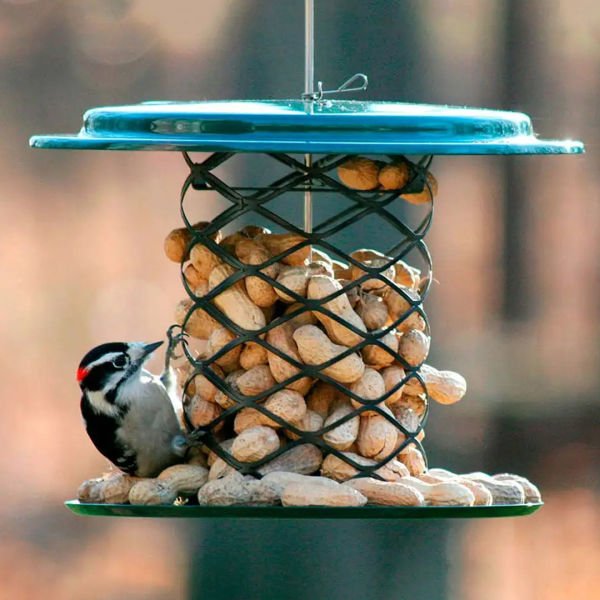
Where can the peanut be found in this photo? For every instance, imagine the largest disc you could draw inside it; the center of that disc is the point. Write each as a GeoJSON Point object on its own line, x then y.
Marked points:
{"type": "Point", "coordinates": [377, 437]}
{"type": "Point", "coordinates": [445, 387]}
{"type": "Point", "coordinates": [152, 491]}
{"type": "Point", "coordinates": [412, 458]}
{"type": "Point", "coordinates": [341, 271]}
{"type": "Point", "coordinates": [194, 281]}
{"type": "Point", "coordinates": [220, 469]}
{"type": "Point", "coordinates": [305, 317]}
{"type": "Point", "coordinates": [446, 493]}
{"type": "Point", "coordinates": [219, 338]}
{"type": "Point", "coordinates": [230, 241]}
{"type": "Point", "coordinates": [372, 310]}
{"type": "Point", "coordinates": [378, 283]}
{"type": "Point", "coordinates": [503, 492]}
{"type": "Point", "coordinates": [252, 231]}
{"type": "Point", "coordinates": [247, 418]}
{"type": "Point", "coordinates": [340, 470]}
{"type": "Point", "coordinates": [225, 399]}
{"type": "Point", "coordinates": [378, 357]}
{"type": "Point", "coordinates": [277, 243]}
{"type": "Point", "coordinates": [414, 347]}
{"type": "Point", "coordinates": [369, 387]}
{"type": "Point", "coordinates": [532, 493]}
{"type": "Point", "coordinates": [199, 325]}
{"type": "Point", "coordinates": [282, 338]}
{"type": "Point", "coordinates": [315, 348]}
{"type": "Point", "coordinates": [286, 404]}
{"type": "Point", "coordinates": [398, 306]}
{"type": "Point", "coordinates": [279, 480]}
{"type": "Point", "coordinates": [311, 422]}
{"type": "Point", "coordinates": [184, 479]}
{"type": "Point", "coordinates": [261, 292]}
{"type": "Point", "coordinates": [321, 286]}
{"type": "Point", "coordinates": [320, 494]}
{"type": "Point", "coordinates": [201, 289]}
{"type": "Point", "coordinates": [407, 418]}
{"type": "Point", "coordinates": [256, 381]}
{"type": "Point", "coordinates": [363, 254]}
{"type": "Point", "coordinates": [252, 355]}
{"type": "Point", "coordinates": [353, 293]}
{"type": "Point", "coordinates": [429, 192]}
{"type": "Point", "coordinates": [321, 256]}
{"type": "Point", "coordinates": [407, 276]}
{"type": "Point", "coordinates": [111, 488]}
{"type": "Point", "coordinates": [321, 399]}
{"type": "Point", "coordinates": [295, 279]}
{"type": "Point", "coordinates": [359, 173]}
{"type": "Point", "coordinates": [344, 435]}
{"type": "Point", "coordinates": [483, 496]}
{"type": "Point", "coordinates": [177, 242]}
{"type": "Point", "coordinates": [417, 403]}
{"type": "Point", "coordinates": [304, 459]}
{"type": "Point", "coordinates": [201, 412]}
{"type": "Point", "coordinates": [254, 444]}
{"type": "Point", "coordinates": [387, 493]}
{"type": "Point", "coordinates": [395, 175]}
{"type": "Point", "coordinates": [235, 489]}
{"type": "Point", "coordinates": [441, 473]}
{"type": "Point", "coordinates": [204, 260]}
{"type": "Point", "coordinates": [234, 302]}
{"type": "Point", "coordinates": [392, 377]}
{"type": "Point", "coordinates": [202, 387]}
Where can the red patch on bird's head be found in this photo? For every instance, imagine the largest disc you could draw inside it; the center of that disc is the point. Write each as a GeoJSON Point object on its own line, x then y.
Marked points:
{"type": "Point", "coordinates": [82, 373]}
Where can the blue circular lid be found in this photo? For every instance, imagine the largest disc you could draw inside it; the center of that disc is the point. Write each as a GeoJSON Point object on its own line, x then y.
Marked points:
{"type": "Point", "coordinates": [296, 126]}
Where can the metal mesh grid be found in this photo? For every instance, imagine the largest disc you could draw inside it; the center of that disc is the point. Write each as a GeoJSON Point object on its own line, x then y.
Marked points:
{"type": "Point", "coordinates": [246, 202]}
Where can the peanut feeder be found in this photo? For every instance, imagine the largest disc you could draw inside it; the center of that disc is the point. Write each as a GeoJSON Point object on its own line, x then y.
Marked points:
{"type": "Point", "coordinates": [307, 380]}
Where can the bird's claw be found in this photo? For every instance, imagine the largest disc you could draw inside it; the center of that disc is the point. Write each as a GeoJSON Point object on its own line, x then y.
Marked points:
{"type": "Point", "coordinates": [173, 341]}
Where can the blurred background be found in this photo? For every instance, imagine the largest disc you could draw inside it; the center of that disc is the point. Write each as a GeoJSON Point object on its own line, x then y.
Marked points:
{"type": "Point", "coordinates": [515, 308]}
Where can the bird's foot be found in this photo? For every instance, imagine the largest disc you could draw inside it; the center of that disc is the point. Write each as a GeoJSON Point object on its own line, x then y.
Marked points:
{"type": "Point", "coordinates": [174, 339]}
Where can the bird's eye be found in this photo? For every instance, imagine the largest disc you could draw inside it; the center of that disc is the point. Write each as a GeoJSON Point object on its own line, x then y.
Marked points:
{"type": "Point", "coordinates": [120, 362]}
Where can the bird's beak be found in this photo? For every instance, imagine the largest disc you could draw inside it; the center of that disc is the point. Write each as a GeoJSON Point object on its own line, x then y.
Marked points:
{"type": "Point", "coordinates": [150, 348]}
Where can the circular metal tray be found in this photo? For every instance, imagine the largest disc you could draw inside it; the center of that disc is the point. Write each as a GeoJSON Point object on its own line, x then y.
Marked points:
{"type": "Point", "coordinates": [296, 126]}
{"type": "Point", "coordinates": [302, 512]}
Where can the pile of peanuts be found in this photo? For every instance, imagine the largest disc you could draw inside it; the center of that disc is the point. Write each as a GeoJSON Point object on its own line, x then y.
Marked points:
{"type": "Point", "coordinates": [302, 475]}
{"type": "Point", "coordinates": [365, 174]}
{"type": "Point", "coordinates": [195, 483]}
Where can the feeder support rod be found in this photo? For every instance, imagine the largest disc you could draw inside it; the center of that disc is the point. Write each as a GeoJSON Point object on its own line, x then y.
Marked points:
{"type": "Point", "coordinates": [309, 46]}
{"type": "Point", "coordinates": [309, 88]}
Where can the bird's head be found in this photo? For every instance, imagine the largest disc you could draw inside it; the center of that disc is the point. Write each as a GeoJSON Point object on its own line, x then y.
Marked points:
{"type": "Point", "coordinates": [106, 366]}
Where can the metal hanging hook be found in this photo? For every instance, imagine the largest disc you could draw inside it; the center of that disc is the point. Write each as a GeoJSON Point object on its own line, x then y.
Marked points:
{"type": "Point", "coordinates": [344, 88]}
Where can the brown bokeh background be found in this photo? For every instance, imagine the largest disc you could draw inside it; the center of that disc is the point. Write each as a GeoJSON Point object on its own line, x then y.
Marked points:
{"type": "Point", "coordinates": [515, 245]}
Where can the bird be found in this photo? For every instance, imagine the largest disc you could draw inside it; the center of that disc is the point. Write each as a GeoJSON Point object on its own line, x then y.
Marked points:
{"type": "Point", "coordinates": [131, 415]}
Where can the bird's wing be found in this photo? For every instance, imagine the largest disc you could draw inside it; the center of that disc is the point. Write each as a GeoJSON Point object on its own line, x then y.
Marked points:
{"type": "Point", "coordinates": [102, 431]}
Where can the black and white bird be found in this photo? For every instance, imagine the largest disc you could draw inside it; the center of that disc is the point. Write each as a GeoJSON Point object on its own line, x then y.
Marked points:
{"type": "Point", "coordinates": [129, 413]}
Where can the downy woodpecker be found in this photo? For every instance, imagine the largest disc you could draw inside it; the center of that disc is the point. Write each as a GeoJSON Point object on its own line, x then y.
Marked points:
{"type": "Point", "coordinates": [129, 413]}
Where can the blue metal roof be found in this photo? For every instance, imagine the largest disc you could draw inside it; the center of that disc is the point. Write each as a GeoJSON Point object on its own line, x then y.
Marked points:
{"type": "Point", "coordinates": [296, 126]}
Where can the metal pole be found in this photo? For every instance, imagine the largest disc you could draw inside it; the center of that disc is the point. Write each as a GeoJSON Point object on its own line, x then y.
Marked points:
{"type": "Point", "coordinates": [309, 46]}
{"type": "Point", "coordinates": [309, 88]}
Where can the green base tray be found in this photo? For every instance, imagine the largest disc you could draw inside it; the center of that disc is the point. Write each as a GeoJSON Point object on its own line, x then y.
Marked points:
{"type": "Point", "coordinates": [303, 512]}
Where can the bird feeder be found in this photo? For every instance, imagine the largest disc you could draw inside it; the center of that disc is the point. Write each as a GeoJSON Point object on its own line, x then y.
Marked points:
{"type": "Point", "coordinates": [308, 143]}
